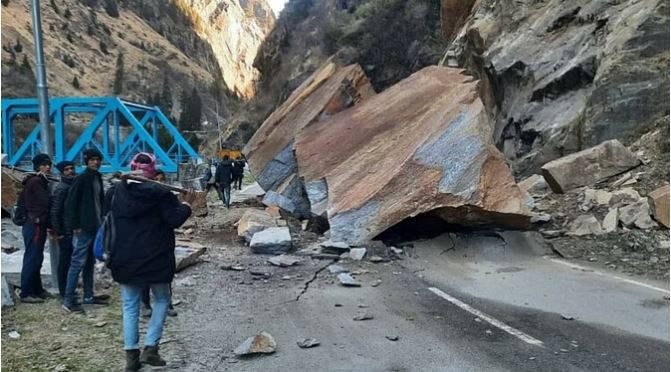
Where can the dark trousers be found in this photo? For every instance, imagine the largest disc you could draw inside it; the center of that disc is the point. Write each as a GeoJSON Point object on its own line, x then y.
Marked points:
{"type": "Point", "coordinates": [34, 237]}
{"type": "Point", "coordinates": [64, 259]}
{"type": "Point", "coordinates": [225, 194]}
{"type": "Point", "coordinates": [237, 181]}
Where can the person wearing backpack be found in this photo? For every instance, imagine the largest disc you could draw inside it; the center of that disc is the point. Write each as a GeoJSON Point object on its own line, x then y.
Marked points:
{"type": "Point", "coordinates": [61, 233]}
{"type": "Point", "coordinates": [84, 214]}
{"type": "Point", "coordinates": [36, 201]}
{"type": "Point", "coordinates": [143, 255]}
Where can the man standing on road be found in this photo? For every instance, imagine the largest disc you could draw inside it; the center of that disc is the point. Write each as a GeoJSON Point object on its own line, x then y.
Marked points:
{"type": "Point", "coordinates": [238, 173]}
{"type": "Point", "coordinates": [84, 214]}
{"type": "Point", "coordinates": [223, 179]}
{"type": "Point", "coordinates": [62, 234]}
{"type": "Point", "coordinates": [143, 255]}
{"type": "Point", "coordinates": [37, 199]}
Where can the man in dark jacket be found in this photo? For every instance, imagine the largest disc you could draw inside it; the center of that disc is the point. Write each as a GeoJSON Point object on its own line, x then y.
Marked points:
{"type": "Point", "coordinates": [60, 232]}
{"type": "Point", "coordinates": [238, 173]}
{"type": "Point", "coordinates": [143, 254]}
{"type": "Point", "coordinates": [37, 199]}
{"type": "Point", "coordinates": [84, 214]}
{"type": "Point", "coordinates": [223, 179]}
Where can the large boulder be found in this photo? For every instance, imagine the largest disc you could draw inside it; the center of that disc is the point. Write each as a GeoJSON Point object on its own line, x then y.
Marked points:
{"type": "Point", "coordinates": [660, 199]}
{"type": "Point", "coordinates": [270, 152]}
{"type": "Point", "coordinates": [253, 221]}
{"type": "Point", "coordinates": [274, 240]}
{"type": "Point", "coordinates": [422, 146]}
{"type": "Point", "coordinates": [589, 166]}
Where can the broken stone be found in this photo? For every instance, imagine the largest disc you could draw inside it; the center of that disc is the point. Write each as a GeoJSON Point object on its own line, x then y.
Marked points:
{"type": "Point", "coordinates": [551, 233]}
{"type": "Point", "coordinates": [367, 315]}
{"type": "Point", "coordinates": [304, 225]}
{"type": "Point", "coordinates": [392, 338]}
{"type": "Point", "coordinates": [376, 259]}
{"type": "Point", "coordinates": [637, 215]}
{"type": "Point", "coordinates": [535, 184]}
{"type": "Point", "coordinates": [185, 257]}
{"type": "Point", "coordinates": [337, 269]}
{"type": "Point", "coordinates": [14, 335]}
{"type": "Point", "coordinates": [610, 221]}
{"type": "Point", "coordinates": [270, 151]}
{"type": "Point", "coordinates": [357, 254]}
{"type": "Point", "coordinates": [540, 218]}
{"type": "Point", "coordinates": [334, 245]}
{"type": "Point", "coordinates": [567, 317]}
{"type": "Point", "coordinates": [257, 272]}
{"type": "Point", "coordinates": [378, 171]}
{"type": "Point", "coordinates": [284, 260]}
{"type": "Point", "coordinates": [600, 197]}
{"type": "Point", "coordinates": [262, 343]}
{"type": "Point", "coordinates": [376, 283]}
{"type": "Point", "coordinates": [100, 324]}
{"type": "Point", "coordinates": [347, 280]}
{"type": "Point", "coordinates": [620, 181]}
{"type": "Point", "coordinates": [585, 224]}
{"type": "Point", "coordinates": [660, 200]}
{"type": "Point", "coordinates": [274, 240]}
{"type": "Point", "coordinates": [253, 221]}
{"type": "Point", "coordinates": [624, 197]}
{"type": "Point", "coordinates": [307, 343]}
{"type": "Point", "coordinates": [588, 166]}
{"type": "Point", "coordinates": [232, 268]}
{"type": "Point", "coordinates": [187, 282]}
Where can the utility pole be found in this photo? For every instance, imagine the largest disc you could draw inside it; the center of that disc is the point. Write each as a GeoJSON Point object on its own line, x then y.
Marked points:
{"type": "Point", "coordinates": [42, 95]}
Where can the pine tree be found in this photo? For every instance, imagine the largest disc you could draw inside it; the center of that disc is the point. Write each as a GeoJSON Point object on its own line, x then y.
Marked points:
{"type": "Point", "coordinates": [25, 65]}
{"type": "Point", "coordinates": [103, 47]}
{"type": "Point", "coordinates": [118, 75]}
{"type": "Point", "coordinates": [18, 47]}
{"type": "Point", "coordinates": [165, 100]}
{"type": "Point", "coordinates": [75, 83]}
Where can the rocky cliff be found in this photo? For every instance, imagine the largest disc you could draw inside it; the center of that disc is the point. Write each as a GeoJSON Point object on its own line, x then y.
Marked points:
{"type": "Point", "coordinates": [209, 45]}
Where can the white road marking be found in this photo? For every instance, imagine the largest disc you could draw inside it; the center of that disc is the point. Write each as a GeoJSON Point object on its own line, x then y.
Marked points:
{"type": "Point", "coordinates": [600, 273]}
{"type": "Point", "coordinates": [496, 323]}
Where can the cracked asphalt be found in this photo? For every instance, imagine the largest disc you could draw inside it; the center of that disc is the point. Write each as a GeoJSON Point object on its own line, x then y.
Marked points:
{"type": "Point", "coordinates": [224, 307]}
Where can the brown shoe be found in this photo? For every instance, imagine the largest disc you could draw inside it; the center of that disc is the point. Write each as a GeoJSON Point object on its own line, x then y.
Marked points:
{"type": "Point", "coordinates": [150, 356]}
{"type": "Point", "coordinates": [133, 360]}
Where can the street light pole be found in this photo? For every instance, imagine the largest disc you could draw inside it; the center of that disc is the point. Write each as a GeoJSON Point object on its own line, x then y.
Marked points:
{"type": "Point", "coordinates": [42, 95]}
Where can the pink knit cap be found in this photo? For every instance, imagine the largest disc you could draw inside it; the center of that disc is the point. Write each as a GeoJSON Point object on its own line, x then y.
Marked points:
{"type": "Point", "coordinates": [147, 167]}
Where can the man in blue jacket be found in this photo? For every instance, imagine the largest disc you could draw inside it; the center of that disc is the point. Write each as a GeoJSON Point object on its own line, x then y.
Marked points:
{"type": "Point", "coordinates": [84, 214]}
{"type": "Point", "coordinates": [143, 255]}
{"type": "Point", "coordinates": [58, 226]}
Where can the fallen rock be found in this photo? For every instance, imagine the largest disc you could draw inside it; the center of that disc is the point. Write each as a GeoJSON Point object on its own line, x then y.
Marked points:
{"type": "Point", "coordinates": [367, 315]}
{"type": "Point", "coordinates": [307, 343]}
{"type": "Point", "coordinates": [624, 196]}
{"type": "Point", "coordinates": [262, 343]}
{"type": "Point", "coordinates": [337, 269]}
{"type": "Point", "coordinates": [274, 240]}
{"type": "Point", "coordinates": [600, 197]}
{"type": "Point", "coordinates": [610, 221]}
{"type": "Point", "coordinates": [199, 205]}
{"type": "Point", "coordinates": [585, 224]}
{"type": "Point", "coordinates": [637, 215]}
{"type": "Point", "coordinates": [253, 221]}
{"type": "Point", "coordinates": [232, 268]}
{"type": "Point", "coordinates": [534, 184]}
{"type": "Point", "coordinates": [588, 166]}
{"type": "Point", "coordinates": [620, 181]}
{"type": "Point", "coordinates": [248, 194]}
{"type": "Point", "coordinates": [185, 257]}
{"type": "Point", "coordinates": [270, 151]}
{"type": "Point", "coordinates": [392, 337]}
{"type": "Point", "coordinates": [284, 260]}
{"type": "Point", "coordinates": [334, 245]}
{"type": "Point", "coordinates": [391, 157]}
{"type": "Point", "coordinates": [660, 200]}
{"type": "Point", "coordinates": [347, 280]}
{"type": "Point", "coordinates": [357, 254]}
{"type": "Point", "coordinates": [540, 218]}
{"type": "Point", "coordinates": [376, 283]}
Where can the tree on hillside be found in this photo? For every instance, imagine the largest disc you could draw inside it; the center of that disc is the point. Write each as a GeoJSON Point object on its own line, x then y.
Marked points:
{"type": "Point", "coordinates": [25, 65]}
{"type": "Point", "coordinates": [111, 8]}
{"type": "Point", "coordinates": [53, 5]}
{"type": "Point", "coordinates": [118, 75]}
{"type": "Point", "coordinates": [18, 47]}
{"type": "Point", "coordinates": [5, 2]}
{"type": "Point", "coordinates": [192, 111]}
{"type": "Point", "coordinates": [75, 83]}
{"type": "Point", "coordinates": [165, 101]}
{"type": "Point", "coordinates": [103, 47]}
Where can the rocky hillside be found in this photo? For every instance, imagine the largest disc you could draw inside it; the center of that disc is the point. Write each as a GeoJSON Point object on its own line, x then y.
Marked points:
{"type": "Point", "coordinates": [150, 46]}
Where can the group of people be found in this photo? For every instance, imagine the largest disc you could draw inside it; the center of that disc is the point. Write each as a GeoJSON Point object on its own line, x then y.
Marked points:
{"type": "Point", "coordinates": [142, 252]}
{"type": "Point", "coordinates": [224, 175]}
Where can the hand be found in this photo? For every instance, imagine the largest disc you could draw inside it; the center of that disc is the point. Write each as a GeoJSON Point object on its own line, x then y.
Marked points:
{"type": "Point", "coordinates": [190, 196]}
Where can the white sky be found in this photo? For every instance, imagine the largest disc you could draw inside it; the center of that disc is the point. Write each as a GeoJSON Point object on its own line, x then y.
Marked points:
{"type": "Point", "coordinates": [277, 5]}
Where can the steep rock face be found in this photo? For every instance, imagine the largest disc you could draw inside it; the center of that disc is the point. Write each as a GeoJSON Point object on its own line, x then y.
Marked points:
{"type": "Point", "coordinates": [235, 29]}
{"type": "Point", "coordinates": [568, 75]}
{"type": "Point", "coordinates": [422, 146]}
{"type": "Point", "coordinates": [270, 151]}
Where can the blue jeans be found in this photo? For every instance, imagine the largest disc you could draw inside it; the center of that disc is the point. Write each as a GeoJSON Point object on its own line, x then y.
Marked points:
{"type": "Point", "coordinates": [131, 295]}
{"type": "Point", "coordinates": [82, 262]}
{"type": "Point", "coordinates": [34, 237]}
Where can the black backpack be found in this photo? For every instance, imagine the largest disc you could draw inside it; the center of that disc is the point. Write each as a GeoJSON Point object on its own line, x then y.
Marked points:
{"type": "Point", "coordinates": [19, 215]}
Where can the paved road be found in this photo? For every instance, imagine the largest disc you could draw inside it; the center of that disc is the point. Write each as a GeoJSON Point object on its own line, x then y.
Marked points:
{"type": "Point", "coordinates": [512, 289]}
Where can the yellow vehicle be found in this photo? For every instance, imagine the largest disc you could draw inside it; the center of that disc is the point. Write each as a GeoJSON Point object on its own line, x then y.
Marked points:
{"type": "Point", "coordinates": [232, 154]}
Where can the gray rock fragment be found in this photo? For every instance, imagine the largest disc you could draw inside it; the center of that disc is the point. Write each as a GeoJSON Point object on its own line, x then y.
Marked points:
{"type": "Point", "coordinates": [357, 254]}
{"type": "Point", "coordinates": [261, 343]}
{"type": "Point", "coordinates": [284, 260]}
{"type": "Point", "coordinates": [337, 269]}
{"type": "Point", "coordinates": [346, 280]}
{"type": "Point", "coordinates": [307, 343]}
{"type": "Point", "coordinates": [367, 315]}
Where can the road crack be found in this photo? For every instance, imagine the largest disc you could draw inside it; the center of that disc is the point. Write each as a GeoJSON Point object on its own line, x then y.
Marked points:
{"type": "Point", "coordinates": [307, 284]}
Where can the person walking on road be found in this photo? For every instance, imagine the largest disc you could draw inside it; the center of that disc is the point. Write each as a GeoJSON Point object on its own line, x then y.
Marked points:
{"type": "Point", "coordinates": [143, 255]}
{"type": "Point", "coordinates": [84, 214]}
{"type": "Point", "coordinates": [238, 173]}
{"type": "Point", "coordinates": [37, 199]}
{"type": "Point", "coordinates": [223, 179]}
{"type": "Point", "coordinates": [61, 233]}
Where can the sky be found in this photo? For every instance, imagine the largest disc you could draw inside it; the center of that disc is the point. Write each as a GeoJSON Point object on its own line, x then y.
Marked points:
{"type": "Point", "coordinates": [277, 5]}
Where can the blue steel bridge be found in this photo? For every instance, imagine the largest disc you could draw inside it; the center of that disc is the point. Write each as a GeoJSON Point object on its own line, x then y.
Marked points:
{"type": "Point", "coordinates": [118, 128]}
